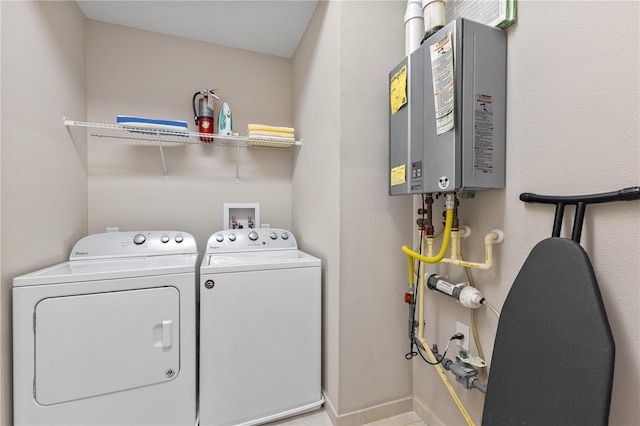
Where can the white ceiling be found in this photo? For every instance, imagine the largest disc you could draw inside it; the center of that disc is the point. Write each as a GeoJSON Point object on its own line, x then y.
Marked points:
{"type": "Point", "coordinates": [274, 27]}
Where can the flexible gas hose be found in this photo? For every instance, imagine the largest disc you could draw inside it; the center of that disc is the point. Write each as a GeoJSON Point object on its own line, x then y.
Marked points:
{"type": "Point", "coordinates": [430, 354]}
{"type": "Point", "coordinates": [443, 250]}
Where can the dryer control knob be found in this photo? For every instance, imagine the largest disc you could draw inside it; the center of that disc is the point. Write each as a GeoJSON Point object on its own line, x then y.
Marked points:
{"type": "Point", "coordinates": [253, 235]}
{"type": "Point", "coordinates": [219, 238]}
{"type": "Point", "coordinates": [165, 239]}
{"type": "Point", "coordinates": [179, 238]}
{"type": "Point", "coordinates": [273, 235]}
{"type": "Point", "coordinates": [285, 236]}
{"type": "Point", "coordinates": [139, 239]}
{"type": "Point", "coordinates": [232, 237]}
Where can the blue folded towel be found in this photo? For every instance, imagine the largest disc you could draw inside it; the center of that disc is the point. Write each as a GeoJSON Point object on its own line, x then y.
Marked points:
{"type": "Point", "coordinates": [152, 123]}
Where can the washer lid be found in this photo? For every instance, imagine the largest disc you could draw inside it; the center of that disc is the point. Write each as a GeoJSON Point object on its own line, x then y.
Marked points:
{"type": "Point", "coordinates": [257, 261]}
{"type": "Point", "coordinates": [103, 269]}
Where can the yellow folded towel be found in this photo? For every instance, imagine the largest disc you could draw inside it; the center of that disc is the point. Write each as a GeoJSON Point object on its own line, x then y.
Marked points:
{"type": "Point", "coordinates": [271, 132]}
{"type": "Point", "coordinates": [264, 127]}
{"type": "Point", "coordinates": [267, 134]}
{"type": "Point", "coordinates": [271, 137]}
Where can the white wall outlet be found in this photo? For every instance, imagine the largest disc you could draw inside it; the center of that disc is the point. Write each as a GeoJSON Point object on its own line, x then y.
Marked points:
{"type": "Point", "coordinates": [464, 329]}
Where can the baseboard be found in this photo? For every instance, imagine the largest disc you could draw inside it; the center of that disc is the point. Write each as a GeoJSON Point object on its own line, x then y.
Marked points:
{"type": "Point", "coordinates": [425, 414]}
{"type": "Point", "coordinates": [368, 415]}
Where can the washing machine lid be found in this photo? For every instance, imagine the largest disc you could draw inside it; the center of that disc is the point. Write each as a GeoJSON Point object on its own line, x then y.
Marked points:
{"type": "Point", "coordinates": [106, 269]}
{"type": "Point", "coordinates": [257, 261]}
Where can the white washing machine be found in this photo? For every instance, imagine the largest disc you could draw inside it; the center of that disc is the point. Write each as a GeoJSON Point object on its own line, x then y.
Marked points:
{"type": "Point", "coordinates": [108, 337]}
{"type": "Point", "coordinates": [260, 328]}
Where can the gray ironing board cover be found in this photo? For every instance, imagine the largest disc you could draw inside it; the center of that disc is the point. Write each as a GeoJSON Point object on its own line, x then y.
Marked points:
{"type": "Point", "coordinates": [554, 353]}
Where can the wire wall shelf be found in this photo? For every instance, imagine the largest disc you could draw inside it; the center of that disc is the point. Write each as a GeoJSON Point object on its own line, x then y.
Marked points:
{"type": "Point", "coordinates": [118, 131]}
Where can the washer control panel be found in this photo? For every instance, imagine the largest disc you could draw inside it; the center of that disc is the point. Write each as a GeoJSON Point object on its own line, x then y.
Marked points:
{"type": "Point", "coordinates": [133, 244]}
{"type": "Point", "coordinates": [233, 240]}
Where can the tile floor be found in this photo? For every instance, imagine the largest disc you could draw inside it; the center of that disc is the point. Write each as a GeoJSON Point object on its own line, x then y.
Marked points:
{"type": "Point", "coordinates": [320, 418]}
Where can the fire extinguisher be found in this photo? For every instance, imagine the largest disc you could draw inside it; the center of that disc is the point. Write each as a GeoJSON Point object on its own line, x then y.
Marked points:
{"type": "Point", "coordinates": [204, 116]}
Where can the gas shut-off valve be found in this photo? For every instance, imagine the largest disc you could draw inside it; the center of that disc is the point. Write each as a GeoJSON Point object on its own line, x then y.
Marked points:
{"type": "Point", "coordinates": [467, 295]}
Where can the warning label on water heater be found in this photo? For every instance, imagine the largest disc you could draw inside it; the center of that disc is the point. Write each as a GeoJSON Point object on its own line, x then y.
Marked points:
{"type": "Point", "coordinates": [483, 134]}
{"type": "Point", "coordinates": [443, 94]}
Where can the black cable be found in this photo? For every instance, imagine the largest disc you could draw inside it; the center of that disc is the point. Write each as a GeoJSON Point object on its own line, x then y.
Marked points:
{"type": "Point", "coordinates": [456, 336]}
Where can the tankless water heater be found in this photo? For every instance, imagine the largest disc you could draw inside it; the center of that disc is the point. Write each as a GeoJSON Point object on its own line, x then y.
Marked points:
{"type": "Point", "coordinates": [447, 112]}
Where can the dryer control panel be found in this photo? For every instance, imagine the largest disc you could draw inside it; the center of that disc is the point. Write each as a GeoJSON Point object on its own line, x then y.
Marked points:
{"type": "Point", "coordinates": [234, 240]}
{"type": "Point", "coordinates": [133, 244]}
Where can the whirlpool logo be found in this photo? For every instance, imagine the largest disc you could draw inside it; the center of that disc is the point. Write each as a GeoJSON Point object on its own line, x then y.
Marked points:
{"type": "Point", "coordinates": [81, 253]}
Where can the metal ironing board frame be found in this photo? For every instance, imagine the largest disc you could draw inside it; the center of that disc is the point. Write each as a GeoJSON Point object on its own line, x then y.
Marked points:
{"type": "Point", "coordinates": [580, 201]}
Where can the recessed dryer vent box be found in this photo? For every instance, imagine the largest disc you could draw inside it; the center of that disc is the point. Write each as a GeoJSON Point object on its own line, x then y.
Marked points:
{"type": "Point", "coordinates": [241, 215]}
{"type": "Point", "coordinates": [448, 111]}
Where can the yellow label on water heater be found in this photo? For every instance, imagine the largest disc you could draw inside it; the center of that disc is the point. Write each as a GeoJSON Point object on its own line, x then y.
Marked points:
{"type": "Point", "coordinates": [398, 90]}
{"type": "Point", "coordinates": [398, 175]}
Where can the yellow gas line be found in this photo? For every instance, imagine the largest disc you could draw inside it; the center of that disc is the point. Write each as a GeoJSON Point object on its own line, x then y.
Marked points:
{"type": "Point", "coordinates": [435, 259]}
{"type": "Point", "coordinates": [443, 249]}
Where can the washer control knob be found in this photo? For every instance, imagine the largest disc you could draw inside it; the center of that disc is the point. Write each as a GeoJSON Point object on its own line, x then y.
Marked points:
{"type": "Point", "coordinates": [219, 238]}
{"type": "Point", "coordinates": [139, 239]}
{"type": "Point", "coordinates": [232, 237]}
{"type": "Point", "coordinates": [165, 239]}
{"type": "Point", "coordinates": [285, 236]}
{"type": "Point", "coordinates": [179, 238]}
{"type": "Point", "coordinates": [253, 235]}
{"type": "Point", "coordinates": [273, 235]}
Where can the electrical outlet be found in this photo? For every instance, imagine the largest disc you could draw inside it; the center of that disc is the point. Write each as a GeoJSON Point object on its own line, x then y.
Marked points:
{"type": "Point", "coordinates": [464, 329]}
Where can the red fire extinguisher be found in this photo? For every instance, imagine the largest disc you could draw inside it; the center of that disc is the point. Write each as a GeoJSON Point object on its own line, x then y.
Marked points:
{"type": "Point", "coordinates": [204, 116]}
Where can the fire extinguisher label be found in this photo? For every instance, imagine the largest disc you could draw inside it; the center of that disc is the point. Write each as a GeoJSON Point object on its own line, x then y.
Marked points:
{"type": "Point", "coordinates": [205, 124]}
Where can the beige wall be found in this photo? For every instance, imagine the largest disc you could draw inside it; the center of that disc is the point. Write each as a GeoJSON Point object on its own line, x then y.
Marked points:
{"type": "Point", "coordinates": [341, 208]}
{"type": "Point", "coordinates": [373, 324]}
{"type": "Point", "coordinates": [44, 184]}
{"type": "Point", "coordinates": [316, 174]}
{"type": "Point", "coordinates": [573, 128]}
{"type": "Point", "coordinates": [134, 72]}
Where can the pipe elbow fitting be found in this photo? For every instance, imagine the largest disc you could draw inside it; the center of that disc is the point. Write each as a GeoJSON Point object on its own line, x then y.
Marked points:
{"type": "Point", "coordinates": [495, 236]}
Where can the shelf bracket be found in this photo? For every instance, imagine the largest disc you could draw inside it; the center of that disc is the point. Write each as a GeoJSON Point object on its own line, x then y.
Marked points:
{"type": "Point", "coordinates": [237, 161]}
{"type": "Point", "coordinates": [164, 163]}
{"type": "Point", "coordinates": [82, 153]}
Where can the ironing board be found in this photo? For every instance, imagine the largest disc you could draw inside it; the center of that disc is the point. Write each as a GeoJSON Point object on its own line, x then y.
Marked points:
{"type": "Point", "coordinates": [554, 353]}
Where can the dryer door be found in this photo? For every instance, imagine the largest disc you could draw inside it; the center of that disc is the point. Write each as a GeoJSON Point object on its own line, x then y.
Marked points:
{"type": "Point", "coordinates": [92, 344]}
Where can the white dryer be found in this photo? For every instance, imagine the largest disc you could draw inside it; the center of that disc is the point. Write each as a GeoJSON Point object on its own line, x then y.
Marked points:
{"type": "Point", "coordinates": [108, 337]}
{"type": "Point", "coordinates": [260, 328]}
